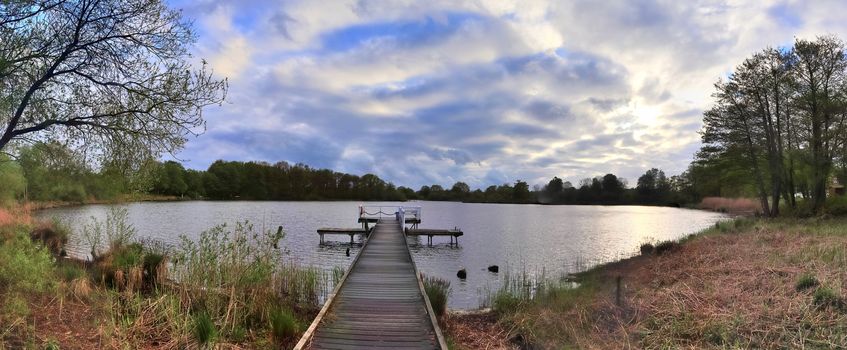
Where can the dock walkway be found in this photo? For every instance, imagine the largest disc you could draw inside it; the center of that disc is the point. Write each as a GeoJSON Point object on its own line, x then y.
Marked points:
{"type": "Point", "coordinates": [380, 303]}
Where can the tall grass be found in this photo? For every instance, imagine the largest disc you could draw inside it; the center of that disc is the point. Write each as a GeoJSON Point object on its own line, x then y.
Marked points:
{"type": "Point", "coordinates": [230, 284]}
{"type": "Point", "coordinates": [26, 270]}
{"type": "Point", "coordinates": [437, 291]}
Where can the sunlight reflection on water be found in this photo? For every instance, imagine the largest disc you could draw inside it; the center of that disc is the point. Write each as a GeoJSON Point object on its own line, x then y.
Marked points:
{"type": "Point", "coordinates": [555, 239]}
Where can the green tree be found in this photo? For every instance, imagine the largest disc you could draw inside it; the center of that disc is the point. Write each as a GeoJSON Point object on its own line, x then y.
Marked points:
{"type": "Point", "coordinates": [12, 178]}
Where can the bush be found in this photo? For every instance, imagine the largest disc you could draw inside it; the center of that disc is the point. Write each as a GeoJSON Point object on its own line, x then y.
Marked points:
{"type": "Point", "coordinates": [647, 248]}
{"type": "Point", "coordinates": [836, 205]}
{"type": "Point", "coordinates": [25, 266]}
{"type": "Point", "coordinates": [504, 302]}
{"type": "Point", "coordinates": [283, 324]}
{"type": "Point", "coordinates": [806, 281]}
{"type": "Point", "coordinates": [127, 257]}
{"type": "Point", "coordinates": [825, 297]}
{"type": "Point", "coordinates": [116, 229]}
{"type": "Point", "coordinates": [69, 272]}
{"type": "Point", "coordinates": [666, 246]}
{"type": "Point", "coordinates": [12, 178]}
{"type": "Point", "coordinates": [437, 291]}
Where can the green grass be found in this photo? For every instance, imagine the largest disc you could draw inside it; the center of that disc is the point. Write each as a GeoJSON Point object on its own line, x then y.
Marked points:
{"type": "Point", "coordinates": [204, 330]}
{"type": "Point", "coordinates": [25, 266]}
{"type": "Point", "coordinates": [826, 297]}
{"type": "Point", "coordinates": [806, 281]}
{"type": "Point", "coordinates": [283, 324]}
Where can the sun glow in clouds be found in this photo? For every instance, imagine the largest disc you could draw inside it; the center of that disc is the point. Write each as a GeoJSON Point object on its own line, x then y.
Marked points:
{"type": "Point", "coordinates": [482, 92]}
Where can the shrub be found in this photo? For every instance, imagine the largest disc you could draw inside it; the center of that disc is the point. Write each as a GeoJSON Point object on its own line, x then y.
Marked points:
{"type": "Point", "coordinates": [54, 236]}
{"type": "Point", "coordinates": [825, 297]}
{"type": "Point", "coordinates": [25, 267]}
{"type": "Point", "coordinates": [437, 291]}
{"type": "Point", "coordinates": [128, 256]}
{"type": "Point", "coordinates": [806, 281]}
{"type": "Point", "coordinates": [665, 247]}
{"type": "Point", "coordinates": [116, 229]}
{"type": "Point", "coordinates": [504, 302]}
{"type": "Point", "coordinates": [204, 329]}
{"type": "Point", "coordinates": [836, 205]}
{"type": "Point", "coordinates": [647, 248]}
{"type": "Point", "coordinates": [70, 272]}
{"type": "Point", "coordinates": [283, 324]}
{"type": "Point", "coordinates": [155, 270]}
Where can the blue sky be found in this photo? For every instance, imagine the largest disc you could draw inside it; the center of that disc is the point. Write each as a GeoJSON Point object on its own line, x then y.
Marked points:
{"type": "Point", "coordinates": [483, 91]}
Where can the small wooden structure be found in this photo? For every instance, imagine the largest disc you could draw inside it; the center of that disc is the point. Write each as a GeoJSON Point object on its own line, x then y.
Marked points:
{"type": "Point", "coordinates": [835, 188]}
{"type": "Point", "coordinates": [341, 231]}
{"type": "Point", "coordinates": [373, 214]}
{"type": "Point", "coordinates": [454, 234]}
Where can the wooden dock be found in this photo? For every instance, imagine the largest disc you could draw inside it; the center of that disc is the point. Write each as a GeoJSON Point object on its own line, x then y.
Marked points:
{"type": "Point", "coordinates": [453, 234]}
{"type": "Point", "coordinates": [353, 231]}
{"type": "Point", "coordinates": [380, 302]}
{"type": "Point", "coordinates": [341, 231]}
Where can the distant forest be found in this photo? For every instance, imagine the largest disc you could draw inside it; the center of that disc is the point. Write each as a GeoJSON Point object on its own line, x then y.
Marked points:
{"type": "Point", "coordinates": [283, 181]}
{"type": "Point", "coordinates": [50, 171]}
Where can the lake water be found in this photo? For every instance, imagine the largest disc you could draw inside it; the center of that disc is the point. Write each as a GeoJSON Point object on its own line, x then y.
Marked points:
{"type": "Point", "coordinates": [531, 238]}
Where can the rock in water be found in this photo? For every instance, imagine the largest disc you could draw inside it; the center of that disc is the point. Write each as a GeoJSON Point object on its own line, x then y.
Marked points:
{"type": "Point", "coordinates": [462, 274]}
{"type": "Point", "coordinates": [494, 268]}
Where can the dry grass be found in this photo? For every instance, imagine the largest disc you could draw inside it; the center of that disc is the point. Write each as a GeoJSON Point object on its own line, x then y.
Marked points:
{"type": "Point", "coordinates": [731, 205]}
{"type": "Point", "coordinates": [476, 331]}
{"type": "Point", "coordinates": [728, 288]}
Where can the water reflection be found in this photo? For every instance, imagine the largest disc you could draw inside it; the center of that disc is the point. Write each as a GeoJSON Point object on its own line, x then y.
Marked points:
{"type": "Point", "coordinates": [531, 238]}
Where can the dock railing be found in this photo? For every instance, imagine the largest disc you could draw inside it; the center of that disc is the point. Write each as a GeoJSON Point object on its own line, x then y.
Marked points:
{"type": "Point", "coordinates": [384, 211]}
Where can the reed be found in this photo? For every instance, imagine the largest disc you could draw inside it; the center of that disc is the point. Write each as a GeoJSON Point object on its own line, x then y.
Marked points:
{"type": "Point", "coordinates": [438, 291]}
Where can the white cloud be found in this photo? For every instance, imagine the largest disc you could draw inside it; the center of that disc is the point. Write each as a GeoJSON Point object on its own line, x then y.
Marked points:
{"type": "Point", "coordinates": [484, 90]}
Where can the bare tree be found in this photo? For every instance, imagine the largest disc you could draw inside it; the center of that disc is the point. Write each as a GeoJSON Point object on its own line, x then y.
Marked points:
{"type": "Point", "coordinates": [107, 76]}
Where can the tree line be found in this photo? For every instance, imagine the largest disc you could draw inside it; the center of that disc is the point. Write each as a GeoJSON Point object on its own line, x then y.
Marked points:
{"type": "Point", "coordinates": [53, 172]}
{"type": "Point", "coordinates": [777, 127]}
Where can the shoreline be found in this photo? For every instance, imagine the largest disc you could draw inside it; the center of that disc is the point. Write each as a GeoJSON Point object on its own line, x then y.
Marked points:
{"type": "Point", "coordinates": [727, 286]}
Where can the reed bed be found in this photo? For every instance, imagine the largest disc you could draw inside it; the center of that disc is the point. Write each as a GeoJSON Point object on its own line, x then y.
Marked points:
{"type": "Point", "coordinates": [229, 286]}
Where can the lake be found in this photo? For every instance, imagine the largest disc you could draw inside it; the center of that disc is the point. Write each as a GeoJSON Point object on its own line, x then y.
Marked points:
{"type": "Point", "coordinates": [517, 237]}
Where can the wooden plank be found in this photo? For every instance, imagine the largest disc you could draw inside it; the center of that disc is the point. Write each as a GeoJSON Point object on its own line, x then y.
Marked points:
{"type": "Point", "coordinates": [433, 232]}
{"type": "Point", "coordinates": [338, 230]}
{"type": "Point", "coordinates": [380, 302]}
{"type": "Point", "coordinates": [312, 327]}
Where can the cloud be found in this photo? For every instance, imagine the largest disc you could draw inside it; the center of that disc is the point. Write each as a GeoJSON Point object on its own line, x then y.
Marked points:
{"type": "Point", "coordinates": [485, 92]}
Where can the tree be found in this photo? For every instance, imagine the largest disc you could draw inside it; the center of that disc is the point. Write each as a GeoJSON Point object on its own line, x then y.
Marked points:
{"type": "Point", "coordinates": [781, 117]}
{"type": "Point", "coordinates": [460, 190]}
{"type": "Point", "coordinates": [653, 186]}
{"type": "Point", "coordinates": [613, 188]}
{"type": "Point", "coordinates": [12, 178]}
{"type": "Point", "coordinates": [109, 76]}
{"type": "Point", "coordinates": [552, 192]}
{"type": "Point", "coordinates": [821, 77]}
{"type": "Point", "coordinates": [521, 194]}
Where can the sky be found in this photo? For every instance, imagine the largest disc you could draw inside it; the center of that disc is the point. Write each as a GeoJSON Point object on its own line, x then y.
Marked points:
{"type": "Point", "coordinates": [481, 91]}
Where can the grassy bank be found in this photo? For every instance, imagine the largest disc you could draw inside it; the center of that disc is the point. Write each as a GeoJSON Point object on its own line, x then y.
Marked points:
{"type": "Point", "coordinates": [226, 288]}
{"type": "Point", "coordinates": [747, 283]}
